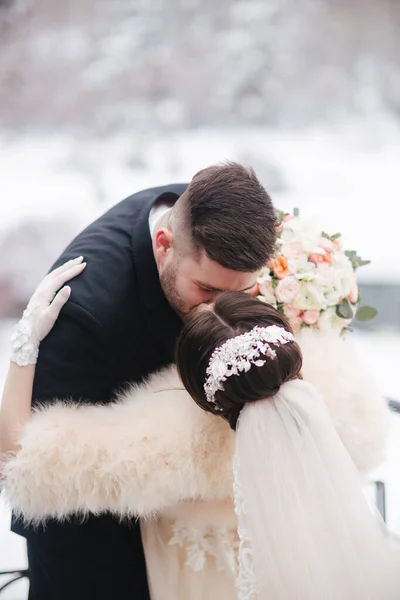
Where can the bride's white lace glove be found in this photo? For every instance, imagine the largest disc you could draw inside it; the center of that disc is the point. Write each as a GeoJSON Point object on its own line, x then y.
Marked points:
{"type": "Point", "coordinates": [42, 312]}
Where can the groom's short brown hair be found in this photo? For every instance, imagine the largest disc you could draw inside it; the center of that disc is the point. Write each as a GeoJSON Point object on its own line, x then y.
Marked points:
{"type": "Point", "coordinates": [231, 216]}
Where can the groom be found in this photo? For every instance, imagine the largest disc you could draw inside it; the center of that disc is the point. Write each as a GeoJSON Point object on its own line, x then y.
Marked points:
{"type": "Point", "coordinates": [151, 258]}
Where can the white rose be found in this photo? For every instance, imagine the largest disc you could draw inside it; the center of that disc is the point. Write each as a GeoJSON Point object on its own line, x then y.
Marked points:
{"type": "Point", "coordinates": [310, 297]}
{"type": "Point", "coordinates": [287, 289]}
{"type": "Point", "coordinates": [325, 273]}
{"type": "Point", "coordinates": [303, 231]}
{"type": "Point", "coordinates": [268, 299]}
{"type": "Point", "coordinates": [343, 281]}
{"type": "Point", "coordinates": [339, 259]}
{"type": "Point", "coordinates": [300, 265]}
{"type": "Point", "coordinates": [332, 296]}
{"type": "Point", "coordinates": [329, 321]}
{"type": "Point", "coordinates": [264, 276]}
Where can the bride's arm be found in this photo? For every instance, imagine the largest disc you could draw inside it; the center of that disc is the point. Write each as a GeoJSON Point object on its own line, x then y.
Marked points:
{"type": "Point", "coordinates": [15, 405]}
{"type": "Point", "coordinates": [39, 318]}
{"type": "Point", "coordinates": [150, 450]}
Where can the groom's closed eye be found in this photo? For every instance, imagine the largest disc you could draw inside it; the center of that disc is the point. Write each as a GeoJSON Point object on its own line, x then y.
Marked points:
{"type": "Point", "coordinates": [210, 289]}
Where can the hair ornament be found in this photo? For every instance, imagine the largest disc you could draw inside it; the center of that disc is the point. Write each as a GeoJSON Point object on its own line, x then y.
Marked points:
{"type": "Point", "coordinates": [239, 353]}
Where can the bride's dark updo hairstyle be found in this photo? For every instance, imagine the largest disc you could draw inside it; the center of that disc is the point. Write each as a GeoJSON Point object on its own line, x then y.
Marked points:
{"type": "Point", "coordinates": [208, 327]}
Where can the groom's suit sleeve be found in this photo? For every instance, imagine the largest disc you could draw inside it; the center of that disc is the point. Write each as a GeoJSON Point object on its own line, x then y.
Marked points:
{"type": "Point", "coordinates": [79, 357]}
{"type": "Point", "coordinates": [74, 360]}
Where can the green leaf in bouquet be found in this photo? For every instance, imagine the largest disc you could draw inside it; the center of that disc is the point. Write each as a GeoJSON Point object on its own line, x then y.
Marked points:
{"type": "Point", "coordinates": [362, 263]}
{"type": "Point", "coordinates": [356, 260]}
{"type": "Point", "coordinates": [366, 313]}
{"type": "Point", "coordinates": [344, 310]}
{"type": "Point", "coordinates": [345, 330]}
{"type": "Point", "coordinates": [351, 254]}
{"type": "Point", "coordinates": [333, 237]}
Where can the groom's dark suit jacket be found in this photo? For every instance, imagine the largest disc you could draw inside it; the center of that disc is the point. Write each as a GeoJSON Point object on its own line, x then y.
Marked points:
{"type": "Point", "coordinates": [116, 328]}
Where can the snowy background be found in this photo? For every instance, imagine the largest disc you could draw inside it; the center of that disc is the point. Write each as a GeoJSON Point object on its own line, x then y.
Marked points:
{"type": "Point", "coordinates": [101, 98]}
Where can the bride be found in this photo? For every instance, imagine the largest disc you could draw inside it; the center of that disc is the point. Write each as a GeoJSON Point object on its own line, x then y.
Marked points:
{"type": "Point", "coordinates": [256, 437]}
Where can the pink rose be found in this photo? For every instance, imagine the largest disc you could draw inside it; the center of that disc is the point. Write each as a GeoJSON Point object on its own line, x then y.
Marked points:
{"type": "Point", "coordinates": [287, 289]}
{"type": "Point", "coordinates": [288, 218]}
{"type": "Point", "coordinates": [326, 244]}
{"type": "Point", "coordinates": [353, 296]}
{"type": "Point", "coordinates": [310, 317]}
{"type": "Point", "coordinates": [292, 250]}
{"type": "Point", "coordinates": [320, 259]}
{"type": "Point", "coordinates": [296, 324]}
{"type": "Point", "coordinates": [293, 315]}
{"type": "Point", "coordinates": [266, 289]}
{"type": "Point", "coordinates": [291, 311]}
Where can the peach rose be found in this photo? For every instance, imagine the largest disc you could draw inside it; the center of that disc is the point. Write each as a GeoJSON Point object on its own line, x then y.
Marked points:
{"type": "Point", "coordinates": [288, 218]}
{"type": "Point", "coordinates": [280, 267]}
{"type": "Point", "coordinates": [353, 296]}
{"type": "Point", "coordinates": [310, 317]}
{"type": "Point", "coordinates": [320, 259]}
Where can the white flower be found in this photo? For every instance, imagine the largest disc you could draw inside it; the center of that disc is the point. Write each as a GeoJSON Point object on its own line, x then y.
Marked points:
{"type": "Point", "coordinates": [264, 276]}
{"type": "Point", "coordinates": [301, 230]}
{"type": "Point", "coordinates": [329, 321]}
{"type": "Point", "coordinates": [268, 300]}
{"type": "Point", "coordinates": [344, 280]}
{"type": "Point", "coordinates": [287, 289]}
{"type": "Point", "coordinates": [310, 297]}
{"type": "Point", "coordinates": [267, 293]}
{"type": "Point", "coordinates": [300, 265]}
{"type": "Point", "coordinates": [332, 296]}
{"type": "Point", "coordinates": [325, 273]}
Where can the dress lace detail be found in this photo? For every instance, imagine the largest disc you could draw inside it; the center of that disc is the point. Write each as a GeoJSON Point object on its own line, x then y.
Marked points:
{"type": "Point", "coordinates": [246, 581]}
{"type": "Point", "coordinates": [200, 543]}
{"type": "Point", "coordinates": [24, 345]}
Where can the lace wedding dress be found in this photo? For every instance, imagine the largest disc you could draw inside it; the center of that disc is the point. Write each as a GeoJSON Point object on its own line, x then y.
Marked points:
{"type": "Point", "coordinates": [192, 552]}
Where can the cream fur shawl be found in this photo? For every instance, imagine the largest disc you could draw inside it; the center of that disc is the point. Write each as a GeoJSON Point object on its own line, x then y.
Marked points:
{"type": "Point", "coordinates": [154, 448]}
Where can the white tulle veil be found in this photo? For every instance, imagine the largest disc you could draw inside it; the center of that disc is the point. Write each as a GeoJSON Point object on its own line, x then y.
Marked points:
{"type": "Point", "coordinates": [307, 529]}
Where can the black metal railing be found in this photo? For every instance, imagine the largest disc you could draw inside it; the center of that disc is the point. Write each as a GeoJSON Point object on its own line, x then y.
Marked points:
{"type": "Point", "coordinates": [14, 576]}
{"type": "Point", "coordinates": [380, 498]}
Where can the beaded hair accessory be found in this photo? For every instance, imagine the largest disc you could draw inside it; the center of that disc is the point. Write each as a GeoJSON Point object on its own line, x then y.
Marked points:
{"type": "Point", "coordinates": [237, 354]}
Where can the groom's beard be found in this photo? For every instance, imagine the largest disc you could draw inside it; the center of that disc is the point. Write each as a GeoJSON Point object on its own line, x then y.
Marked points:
{"type": "Point", "coordinates": [168, 284]}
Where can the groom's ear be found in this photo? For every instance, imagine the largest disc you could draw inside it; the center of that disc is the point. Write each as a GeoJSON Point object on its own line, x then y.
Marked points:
{"type": "Point", "coordinates": [163, 243]}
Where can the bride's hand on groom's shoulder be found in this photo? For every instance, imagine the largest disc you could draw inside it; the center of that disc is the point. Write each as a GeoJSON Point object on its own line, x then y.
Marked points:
{"type": "Point", "coordinates": [42, 311]}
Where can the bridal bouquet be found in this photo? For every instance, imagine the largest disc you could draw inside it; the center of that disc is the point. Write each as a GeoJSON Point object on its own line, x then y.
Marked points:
{"type": "Point", "coordinates": [312, 279]}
